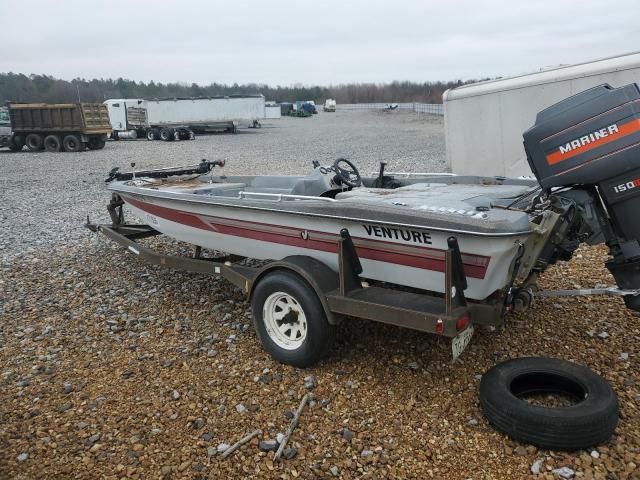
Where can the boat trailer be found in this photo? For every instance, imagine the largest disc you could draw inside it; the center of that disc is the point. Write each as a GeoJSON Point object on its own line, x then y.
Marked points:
{"type": "Point", "coordinates": [341, 293]}
{"type": "Point", "coordinates": [344, 293]}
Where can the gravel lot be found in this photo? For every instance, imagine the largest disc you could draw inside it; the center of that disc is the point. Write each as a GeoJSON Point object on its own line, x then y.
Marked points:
{"type": "Point", "coordinates": [110, 368]}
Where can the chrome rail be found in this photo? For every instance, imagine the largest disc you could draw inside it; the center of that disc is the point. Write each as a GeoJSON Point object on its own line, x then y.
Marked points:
{"type": "Point", "coordinates": [417, 174]}
{"type": "Point", "coordinates": [283, 196]}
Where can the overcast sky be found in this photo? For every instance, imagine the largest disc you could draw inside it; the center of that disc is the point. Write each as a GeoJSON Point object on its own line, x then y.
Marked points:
{"type": "Point", "coordinates": [283, 42]}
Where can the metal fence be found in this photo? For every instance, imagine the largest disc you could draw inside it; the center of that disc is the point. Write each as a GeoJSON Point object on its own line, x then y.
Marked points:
{"type": "Point", "coordinates": [429, 108]}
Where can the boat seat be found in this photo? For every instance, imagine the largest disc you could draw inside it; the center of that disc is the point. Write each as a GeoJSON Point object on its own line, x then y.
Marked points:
{"type": "Point", "coordinates": [312, 185]}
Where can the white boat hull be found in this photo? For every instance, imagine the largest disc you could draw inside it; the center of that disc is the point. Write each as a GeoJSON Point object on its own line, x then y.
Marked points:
{"type": "Point", "coordinates": [412, 257]}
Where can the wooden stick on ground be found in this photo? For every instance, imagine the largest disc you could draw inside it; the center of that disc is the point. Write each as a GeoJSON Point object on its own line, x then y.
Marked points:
{"type": "Point", "coordinates": [292, 426]}
{"type": "Point", "coordinates": [240, 442]}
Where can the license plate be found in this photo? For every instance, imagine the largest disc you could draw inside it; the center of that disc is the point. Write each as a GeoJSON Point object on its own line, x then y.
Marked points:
{"type": "Point", "coordinates": [460, 341]}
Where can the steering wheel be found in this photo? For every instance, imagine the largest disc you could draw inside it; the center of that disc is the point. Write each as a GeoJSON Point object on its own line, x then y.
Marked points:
{"type": "Point", "coordinates": [348, 176]}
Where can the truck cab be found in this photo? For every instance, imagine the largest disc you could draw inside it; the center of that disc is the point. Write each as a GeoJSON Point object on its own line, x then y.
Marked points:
{"type": "Point", "coordinates": [329, 105]}
{"type": "Point", "coordinates": [127, 115]}
{"type": "Point", "coordinates": [5, 128]}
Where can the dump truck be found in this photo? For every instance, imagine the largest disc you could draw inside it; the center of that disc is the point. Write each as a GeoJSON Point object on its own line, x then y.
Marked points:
{"type": "Point", "coordinates": [55, 127]}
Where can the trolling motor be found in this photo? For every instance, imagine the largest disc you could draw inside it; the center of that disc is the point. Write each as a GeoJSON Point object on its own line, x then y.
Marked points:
{"type": "Point", "coordinates": [200, 169]}
{"type": "Point", "coordinates": [586, 150]}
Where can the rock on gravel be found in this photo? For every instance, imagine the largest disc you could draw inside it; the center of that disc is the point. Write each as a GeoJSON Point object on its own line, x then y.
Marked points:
{"type": "Point", "coordinates": [223, 447]}
{"type": "Point", "coordinates": [289, 453]}
{"type": "Point", "coordinates": [310, 382]}
{"type": "Point", "coordinates": [537, 466]}
{"type": "Point", "coordinates": [268, 445]}
{"type": "Point", "coordinates": [564, 472]}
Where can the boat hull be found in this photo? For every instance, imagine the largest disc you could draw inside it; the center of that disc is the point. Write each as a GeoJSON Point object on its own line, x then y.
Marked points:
{"type": "Point", "coordinates": [410, 256]}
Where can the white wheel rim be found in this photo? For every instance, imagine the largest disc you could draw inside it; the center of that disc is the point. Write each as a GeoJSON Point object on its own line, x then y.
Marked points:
{"type": "Point", "coordinates": [284, 320]}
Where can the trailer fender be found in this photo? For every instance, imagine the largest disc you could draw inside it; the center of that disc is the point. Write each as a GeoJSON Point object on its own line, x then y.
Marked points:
{"type": "Point", "coordinates": [318, 275]}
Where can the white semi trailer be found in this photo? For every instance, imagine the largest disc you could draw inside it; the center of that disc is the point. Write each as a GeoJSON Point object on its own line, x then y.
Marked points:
{"type": "Point", "coordinates": [178, 118]}
{"type": "Point", "coordinates": [272, 111]}
{"type": "Point", "coordinates": [484, 121]}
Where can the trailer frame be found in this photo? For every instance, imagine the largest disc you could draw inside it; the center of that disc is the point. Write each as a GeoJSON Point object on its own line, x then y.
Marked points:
{"type": "Point", "coordinates": [342, 294]}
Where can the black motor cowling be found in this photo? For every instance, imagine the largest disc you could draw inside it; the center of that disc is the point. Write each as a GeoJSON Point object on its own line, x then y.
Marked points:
{"type": "Point", "coordinates": [592, 139]}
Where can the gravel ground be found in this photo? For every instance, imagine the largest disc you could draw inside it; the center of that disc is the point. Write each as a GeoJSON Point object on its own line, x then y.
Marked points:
{"type": "Point", "coordinates": [110, 368]}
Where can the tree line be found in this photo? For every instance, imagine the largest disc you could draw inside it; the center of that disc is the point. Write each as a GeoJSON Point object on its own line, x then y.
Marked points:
{"type": "Point", "coordinates": [19, 87]}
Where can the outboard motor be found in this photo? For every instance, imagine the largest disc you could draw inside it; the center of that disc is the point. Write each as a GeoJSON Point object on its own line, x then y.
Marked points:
{"type": "Point", "coordinates": [591, 141]}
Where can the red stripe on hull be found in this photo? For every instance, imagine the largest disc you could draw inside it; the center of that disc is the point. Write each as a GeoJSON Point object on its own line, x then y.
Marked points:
{"type": "Point", "coordinates": [477, 269]}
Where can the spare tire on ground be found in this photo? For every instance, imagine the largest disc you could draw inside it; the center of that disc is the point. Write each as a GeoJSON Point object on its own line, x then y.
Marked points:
{"type": "Point", "coordinates": [590, 420]}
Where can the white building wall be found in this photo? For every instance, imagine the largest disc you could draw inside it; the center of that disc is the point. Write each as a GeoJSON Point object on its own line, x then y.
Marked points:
{"type": "Point", "coordinates": [484, 121]}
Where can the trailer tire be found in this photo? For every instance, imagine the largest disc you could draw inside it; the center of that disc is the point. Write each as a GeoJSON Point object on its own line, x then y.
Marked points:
{"type": "Point", "coordinates": [52, 143]}
{"type": "Point", "coordinates": [34, 142]}
{"type": "Point", "coordinates": [166, 134]}
{"type": "Point", "coordinates": [152, 134]}
{"type": "Point", "coordinates": [15, 146]}
{"type": "Point", "coordinates": [585, 424]}
{"type": "Point", "coordinates": [96, 143]}
{"type": "Point", "coordinates": [17, 142]}
{"type": "Point", "coordinates": [72, 143]}
{"type": "Point", "coordinates": [310, 335]}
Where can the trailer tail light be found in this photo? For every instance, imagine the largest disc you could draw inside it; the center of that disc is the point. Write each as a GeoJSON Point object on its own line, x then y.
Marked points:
{"type": "Point", "coordinates": [439, 326]}
{"type": "Point", "coordinates": [462, 322]}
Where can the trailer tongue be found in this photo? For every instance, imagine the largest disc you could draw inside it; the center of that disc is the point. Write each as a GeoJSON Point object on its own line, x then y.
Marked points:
{"type": "Point", "coordinates": [590, 143]}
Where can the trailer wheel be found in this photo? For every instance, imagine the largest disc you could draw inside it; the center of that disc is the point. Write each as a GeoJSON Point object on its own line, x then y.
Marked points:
{"type": "Point", "coordinates": [16, 143]}
{"type": "Point", "coordinates": [34, 142]}
{"type": "Point", "coordinates": [52, 143]}
{"type": "Point", "coordinates": [14, 146]}
{"type": "Point", "coordinates": [72, 143]}
{"type": "Point", "coordinates": [166, 134]}
{"type": "Point", "coordinates": [152, 134]}
{"type": "Point", "coordinates": [289, 319]}
{"type": "Point", "coordinates": [589, 421]}
{"type": "Point", "coordinates": [96, 143]}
